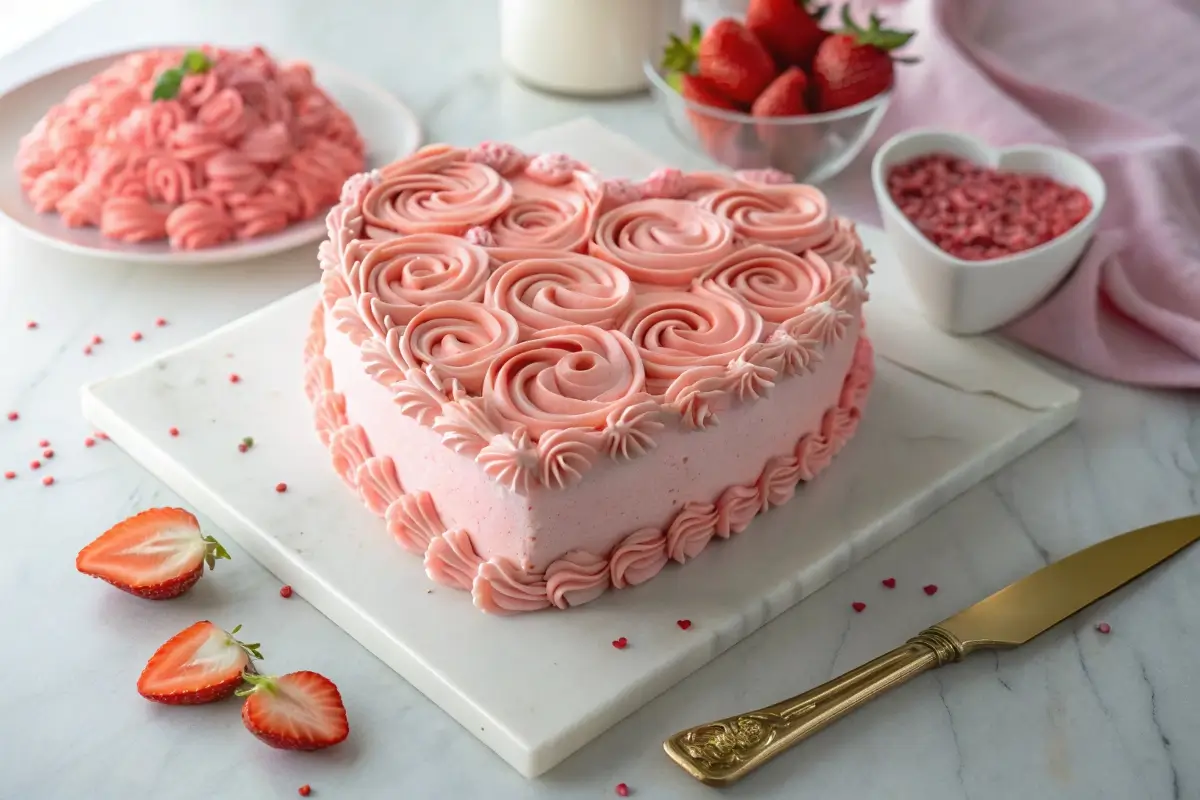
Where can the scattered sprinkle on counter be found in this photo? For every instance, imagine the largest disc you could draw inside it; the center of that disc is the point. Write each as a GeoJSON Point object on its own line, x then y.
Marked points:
{"type": "Point", "coordinates": [235, 378]}
{"type": "Point", "coordinates": [621, 643]}
{"type": "Point", "coordinates": [174, 431]}
{"type": "Point", "coordinates": [683, 624]}
{"type": "Point", "coordinates": [48, 480]}
{"type": "Point", "coordinates": [889, 583]}
{"type": "Point", "coordinates": [13, 416]}
{"type": "Point", "coordinates": [304, 791]}
{"type": "Point", "coordinates": [43, 443]}
{"type": "Point", "coordinates": [281, 487]}
{"type": "Point", "coordinates": [160, 322]}
{"type": "Point", "coordinates": [285, 591]}
{"type": "Point", "coordinates": [35, 464]}
{"type": "Point", "coordinates": [858, 607]}
{"type": "Point", "coordinates": [930, 589]}
{"type": "Point", "coordinates": [31, 325]}
{"type": "Point", "coordinates": [1104, 628]}
{"type": "Point", "coordinates": [10, 475]}
{"type": "Point", "coordinates": [87, 349]}
{"type": "Point", "coordinates": [47, 453]}
{"type": "Point", "coordinates": [89, 442]}
{"type": "Point", "coordinates": [97, 339]}
{"type": "Point", "coordinates": [622, 790]}
{"type": "Point", "coordinates": [136, 336]}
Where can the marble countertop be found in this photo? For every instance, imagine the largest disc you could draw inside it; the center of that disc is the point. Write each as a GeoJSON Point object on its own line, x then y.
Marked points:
{"type": "Point", "coordinates": [1075, 714]}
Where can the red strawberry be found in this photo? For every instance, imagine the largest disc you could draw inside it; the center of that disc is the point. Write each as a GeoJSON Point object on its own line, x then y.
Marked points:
{"type": "Point", "coordinates": [199, 664]}
{"type": "Point", "coordinates": [157, 554]}
{"type": "Point", "coordinates": [784, 97]}
{"type": "Point", "coordinates": [297, 711]}
{"type": "Point", "coordinates": [788, 30]}
{"type": "Point", "coordinates": [855, 64]}
{"type": "Point", "coordinates": [715, 134]}
{"type": "Point", "coordinates": [732, 58]}
{"type": "Point", "coordinates": [701, 90]}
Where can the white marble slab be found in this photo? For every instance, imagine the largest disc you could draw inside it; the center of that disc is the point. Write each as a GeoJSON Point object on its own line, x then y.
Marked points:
{"type": "Point", "coordinates": [538, 687]}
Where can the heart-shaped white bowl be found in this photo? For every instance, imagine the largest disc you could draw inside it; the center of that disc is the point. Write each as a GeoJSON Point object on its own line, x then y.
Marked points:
{"type": "Point", "coordinates": [976, 296]}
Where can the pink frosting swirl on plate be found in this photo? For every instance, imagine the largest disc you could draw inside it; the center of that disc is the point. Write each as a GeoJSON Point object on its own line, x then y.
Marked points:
{"type": "Point", "coordinates": [501, 587]}
{"type": "Point", "coordinates": [576, 578]}
{"type": "Point", "coordinates": [639, 557]}
{"type": "Point", "coordinates": [675, 331]}
{"type": "Point", "coordinates": [546, 217]}
{"type": "Point", "coordinates": [773, 282]}
{"type": "Point", "coordinates": [459, 339]}
{"type": "Point", "coordinates": [436, 190]}
{"type": "Point", "coordinates": [569, 377]}
{"type": "Point", "coordinates": [791, 217]}
{"type": "Point", "coordinates": [134, 219]}
{"type": "Point", "coordinates": [662, 242]}
{"type": "Point", "coordinates": [395, 278]}
{"type": "Point", "coordinates": [563, 289]}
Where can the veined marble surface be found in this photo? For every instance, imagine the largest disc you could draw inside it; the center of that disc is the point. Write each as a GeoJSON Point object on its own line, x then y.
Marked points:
{"type": "Point", "coordinates": [1074, 714]}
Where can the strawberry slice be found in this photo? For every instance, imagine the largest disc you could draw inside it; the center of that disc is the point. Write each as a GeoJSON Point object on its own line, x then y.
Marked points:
{"type": "Point", "coordinates": [199, 664]}
{"type": "Point", "coordinates": [157, 554]}
{"type": "Point", "coordinates": [297, 711]}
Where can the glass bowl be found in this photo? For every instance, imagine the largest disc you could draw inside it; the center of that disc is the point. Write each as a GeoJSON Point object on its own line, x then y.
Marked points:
{"type": "Point", "coordinates": [813, 148]}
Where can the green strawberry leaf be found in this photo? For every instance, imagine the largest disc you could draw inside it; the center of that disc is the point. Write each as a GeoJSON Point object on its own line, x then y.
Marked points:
{"type": "Point", "coordinates": [196, 63]}
{"type": "Point", "coordinates": [675, 81]}
{"type": "Point", "coordinates": [875, 35]}
{"type": "Point", "coordinates": [680, 55]}
{"type": "Point", "coordinates": [168, 85]}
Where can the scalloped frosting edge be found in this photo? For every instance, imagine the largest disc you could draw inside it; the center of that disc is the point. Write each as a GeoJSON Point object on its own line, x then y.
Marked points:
{"type": "Point", "coordinates": [499, 586]}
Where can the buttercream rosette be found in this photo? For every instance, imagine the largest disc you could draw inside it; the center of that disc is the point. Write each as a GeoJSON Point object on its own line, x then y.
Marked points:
{"type": "Point", "coordinates": [546, 216]}
{"type": "Point", "coordinates": [562, 289]}
{"type": "Point", "coordinates": [457, 339]}
{"type": "Point", "coordinates": [775, 283]}
{"type": "Point", "coordinates": [435, 190]}
{"type": "Point", "coordinates": [845, 247]}
{"type": "Point", "coordinates": [792, 217]}
{"type": "Point", "coordinates": [662, 243]}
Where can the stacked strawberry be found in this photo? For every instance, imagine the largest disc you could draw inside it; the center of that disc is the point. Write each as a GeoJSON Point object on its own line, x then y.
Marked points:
{"type": "Point", "coordinates": [780, 63]}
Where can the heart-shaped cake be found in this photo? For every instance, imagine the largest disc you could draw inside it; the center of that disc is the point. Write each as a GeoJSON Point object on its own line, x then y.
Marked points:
{"type": "Point", "coordinates": [521, 366]}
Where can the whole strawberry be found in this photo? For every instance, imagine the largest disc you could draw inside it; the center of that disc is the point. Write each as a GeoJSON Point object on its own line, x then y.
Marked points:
{"type": "Point", "coordinates": [787, 29]}
{"type": "Point", "coordinates": [735, 61]}
{"type": "Point", "coordinates": [784, 97]}
{"type": "Point", "coordinates": [855, 65]}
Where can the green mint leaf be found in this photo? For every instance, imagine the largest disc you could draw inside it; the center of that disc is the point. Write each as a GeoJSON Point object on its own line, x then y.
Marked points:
{"type": "Point", "coordinates": [195, 62]}
{"type": "Point", "coordinates": [168, 85]}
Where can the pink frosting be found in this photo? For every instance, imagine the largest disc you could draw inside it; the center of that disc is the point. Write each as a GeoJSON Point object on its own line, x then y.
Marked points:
{"type": "Point", "coordinates": [845, 247]}
{"type": "Point", "coordinates": [197, 224]}
{"type": "Point", "coordinates": [576, 578]}
{"type": "Point", "coordinates": [511, 460]}
{"type": "Point", "coordinates": [697, 395]}
{"type": "Point", "coordinates": [790, 353]}
{"type": "Point", "coordinates": [504, 158]}
{"type": "Point", "coordinates": [675, 331]}
{"type": "Point", "coordinates": [481, 236]}
{"type": "Point", "coordinates": [773, 282]}
{"type": "Point", "coordinates": [699, 185]}
{"type": "Point", "coordinates": [767, 177]}
{"type": "Point", "coordinates": [378, 485]}
{"type": "Point", "coordinates": [666, 183]}
{"type": "Point", "coordinates": [134, 219]}
{"type": "Point", "coordinates": [349, 449]}
{"type": "Point", "coordinates": [382, 358]}
{"type": "Point", "coordinates": [467, 424]}
{"type": "Point", "coordinates": [318, 373]}
{"type": "Point", "coordinates": [394, 279]}
{"type": "Point", "coordinates": [778, 481]}
{"type": "Point", "coordinates": [621, 191]}
{"type": "Point", "coordinates": [420, 395]}
{"type": "Point", "coordinates": [691, 531]}
{"type": "Point", "coordinates": [414, 521]}
{"type": "Point", "coordinates": [662, 242]}
{"type": "Point", "coordinates": [436, 190]}
{"type": "Point", "coordinates": [629, 432]}
{"type": "Point", "coordinates": [460, 340]}
{"type": "Point", "coordinates": [791, 217]}
{"type": "Point", "coordinates": [823, 322]}
{"type": "Point", "coordinates": [553, 168]}
{"type": "Point", "coordinates": [564, 455]}
{"type": "Point", "coordinates": [567, 289]}
{"type": "Point", "coordinates": [639, 557]}
{"type": "Point", "coordinates": [568, 377]}
{"type": "Point", "coordinates": [329, 415]}
{"type": "Point", "coordinates": [736, 507]}
{"type": "Point", "coordinates": [545, 217]}
{"type": "Point", "coordinates": [501, 587]}
{"type": "Point", "coordinates": [450, 559]}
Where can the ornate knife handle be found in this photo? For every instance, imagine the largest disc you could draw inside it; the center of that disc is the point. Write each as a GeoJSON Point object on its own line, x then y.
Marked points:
{"type": "Point", "coordinates": [719, 753]}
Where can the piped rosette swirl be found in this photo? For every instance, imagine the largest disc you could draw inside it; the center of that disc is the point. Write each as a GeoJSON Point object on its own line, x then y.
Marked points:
{"type": "Point", "coordinates": [456, 339]}
{"type": "Point", "coordinates": [662, 243]}
{"type": "Point", "coordinates": [792, 217]}
{"type": "Point", "coordinates": [546, 216]}
{"type": "Point", "coordinates": [435, 190]}
{"type": "Point", "coordinates": [775, 283]}
{"type": "Point", "coordinates": [560, 289]}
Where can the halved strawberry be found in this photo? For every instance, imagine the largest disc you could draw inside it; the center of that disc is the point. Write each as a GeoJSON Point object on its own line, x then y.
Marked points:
{"type": "Point", "coordinates": [297, 711]}
{"type": "Point", "coordinates": [157, 554]}
{"type": "Point", "coordinates": [199, 664]}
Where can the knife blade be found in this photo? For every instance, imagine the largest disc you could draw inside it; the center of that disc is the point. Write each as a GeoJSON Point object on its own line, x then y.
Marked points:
{"type": "Point", "coordinates": [719, 753]}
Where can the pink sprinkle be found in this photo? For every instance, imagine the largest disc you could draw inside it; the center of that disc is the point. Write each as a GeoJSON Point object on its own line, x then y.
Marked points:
{"type": "Point", "coordinates": [1104, 628]}
{"type": "Point", "coordinates": [620, 643]}
{"type": "Point", "coordinates": [43, 443]}
{"type": "Point", "coordinates": [47, 453]}
{"type": "Point", "coordinates": [8, 476]}
{"type": "Point", "coordinates": [889, 583]}
{"type": "Point", "coordinates": [235, 378]}
{"type": "Point", "coordinates": [281, 487]}
{"type": "Point", "coordinates": [89, 442]}
{"type": "Point", "coordinates": [285, 591]}
{"type": "Point", "coordinates": [48, 480]}
{"type": "Point", "coordinates": [622, 790]}
{"type": "Point", "coordinates": [174, 431]}
{"type": "Point", "coordinates": [930, 589]}
{"type": "Point", "coordinates": [242, 447]}
{"type": "Point", "coordinates": [858, 607]}
{"type": "Point", "coordinates": [35, 464]}
{"type": "Point", "coordinates": [136, 336]}
{"type": "Point", "coordinates": [31, 324]}
{"type": "Point", "coordinates": [101, 435]}
{"type": "Point", "coordinates": [13, 416]}
{"type": "Point", "coordinates": [97, 340]}
{"type": "Point", "coordinates": [160, 322]}
{"type": "Point", "coordinates": [683, 624]}
{"type": "Point", "coordinates": [87, 350]}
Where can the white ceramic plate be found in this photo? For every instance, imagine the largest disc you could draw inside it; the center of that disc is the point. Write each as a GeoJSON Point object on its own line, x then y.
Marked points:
{"type": "Point", "coordinates": [389, 128]}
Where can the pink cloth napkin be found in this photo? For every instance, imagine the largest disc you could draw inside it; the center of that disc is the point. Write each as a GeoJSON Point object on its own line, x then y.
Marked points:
{"type": "Point", "coordinates": [1130, 311]}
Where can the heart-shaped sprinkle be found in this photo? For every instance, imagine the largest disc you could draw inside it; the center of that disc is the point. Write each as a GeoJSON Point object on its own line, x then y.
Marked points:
{"type": "Point", "coordinates": [622, 790]}
{"type": "Point", "coordinates": [930, 589]}
{"type": "Point", "coordinates": [683, 624]}
{"type": "Point", "coordinates": [620, 643]}
{"type": "Point", "coordinates": [889, 583]}
{"type": "Point", "coordinates": [858, 607]}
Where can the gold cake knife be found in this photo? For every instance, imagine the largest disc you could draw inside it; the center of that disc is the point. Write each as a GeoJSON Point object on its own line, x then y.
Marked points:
{"type": "Point", "coordinates": [721, 752]}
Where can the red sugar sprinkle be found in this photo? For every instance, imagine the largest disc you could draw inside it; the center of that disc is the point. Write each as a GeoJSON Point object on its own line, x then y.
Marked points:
{"type": "Point", "coordinates": [930, 589]}
{"type": "Point", "coordinates": [889, 583]}
{"type": "Point", "coordinates": [48, 480]}
{"type": "Point", "coordinates": [101, 435]}
{"type": "Point", "coordinates": [31, 324]}
{"type": "Point", "coordinates": [235, 378]}
{"type": "Point", "coordinates": [35, 464]}
{"type": "Point", "coordinates": [87, 350]}
{"type": "Point", "coordinates": [1104, 627]}
{"type": "Point", "coordinates": [174, 431]}
{"type": "Point", "coordinates": [8, 476]}
{"type": "Point", "coordinates": [684, 624]}
{"type": "Point", "coordinates": [43, 443]}
{"type": "Point", "coordinates": [620, 643]}
{"type": "Point", "coordinates": [160, 322]}
{"type": "Point", "coordinates": [858, 607]}
{"type": "Point", "coordinates": [285, 591]}
{"type": "Point", "coordinates": [13, 416]}
{"type": "Point", "coordinates": [242, 447]}
{"type": "Point", "coordinates": [281, 487]}
{"type": "Point", "coordinates": [47, 453]}
{"type": "Point", "coordinates": [622, 790]}
{"type": "Point", "coordinates": [136, 336]}
{"type": "Point", "coordinates": [97, 340]}
{"type": "Point", "coordinates": [304, 790]}
{"type": "Point", "coordinates": [89, 442]}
